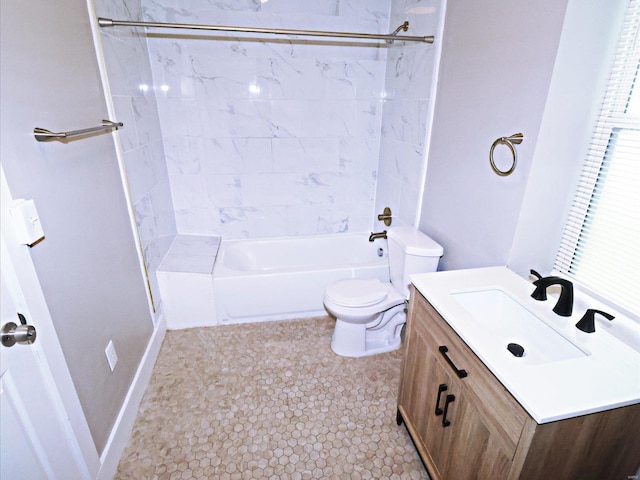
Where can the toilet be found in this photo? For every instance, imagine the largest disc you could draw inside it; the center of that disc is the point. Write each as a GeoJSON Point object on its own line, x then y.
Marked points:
{"type": "Point", "coordinates": [369, 313]}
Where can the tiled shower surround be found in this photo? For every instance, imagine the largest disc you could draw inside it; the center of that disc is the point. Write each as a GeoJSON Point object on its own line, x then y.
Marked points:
{"type": "Point", "coordinates": [269, 136]}
{"type": "Point", "coordinates": [406, 116]}
{"type": "Point", "coordinates": [283, 137]}
{"type": "Point", "coordinates": [131, 87]}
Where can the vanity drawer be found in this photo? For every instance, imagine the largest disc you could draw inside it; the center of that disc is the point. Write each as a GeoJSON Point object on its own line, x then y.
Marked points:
{"type": "Point", "coordinates": [499, 409]}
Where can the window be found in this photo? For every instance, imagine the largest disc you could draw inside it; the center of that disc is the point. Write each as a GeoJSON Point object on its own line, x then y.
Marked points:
{"type": "Point", "coordinates": [600, 248]}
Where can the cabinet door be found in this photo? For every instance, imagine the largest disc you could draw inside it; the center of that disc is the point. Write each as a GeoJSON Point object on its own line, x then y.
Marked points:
{"type": "Point", "coordinates": [483, 421]}
{"type": "Point", "coordinates": [486, 421]}
{"type": "Point", "coordinates": [475, 451]}
{"type": "Point", "coordinates": [425, 386]}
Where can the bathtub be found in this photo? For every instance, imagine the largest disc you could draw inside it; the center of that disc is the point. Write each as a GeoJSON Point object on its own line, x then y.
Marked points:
{"type": "Point", "coordinates": [281, 278]}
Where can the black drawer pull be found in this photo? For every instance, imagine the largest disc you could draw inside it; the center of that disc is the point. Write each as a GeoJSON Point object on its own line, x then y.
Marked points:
{"type": "Point", "coordinates": [441, 388]}
{"type": "Point", "coordinates": [461, 373]}
{"type": "Point", "coordinates": [449, 400]}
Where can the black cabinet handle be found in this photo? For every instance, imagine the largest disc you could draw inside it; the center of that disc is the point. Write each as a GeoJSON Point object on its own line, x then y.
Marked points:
{"type": "Point", "coordinates": [443, 350]}
{"type": "Point", "coordinates": [449, 400]}
{"type": "Point", "coordinates": [441, 388]}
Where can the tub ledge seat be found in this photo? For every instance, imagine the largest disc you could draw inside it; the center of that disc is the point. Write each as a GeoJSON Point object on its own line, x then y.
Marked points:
{"type": "Point", "coordinates": [185, 279]}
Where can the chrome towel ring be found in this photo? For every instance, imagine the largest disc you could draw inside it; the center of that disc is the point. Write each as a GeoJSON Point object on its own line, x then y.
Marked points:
{"type": "Point", "coordinates": [510, 142]}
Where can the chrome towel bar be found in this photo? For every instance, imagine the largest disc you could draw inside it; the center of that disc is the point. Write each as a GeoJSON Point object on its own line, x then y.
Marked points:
{"type": "Point", "coordinates": [44, 135]}
{"type": "Point", "coordinates": [108, 22]}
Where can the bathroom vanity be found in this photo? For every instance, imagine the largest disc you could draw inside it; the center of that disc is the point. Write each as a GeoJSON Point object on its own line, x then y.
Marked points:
{"type": "Point", "coordinates": [480, 413]}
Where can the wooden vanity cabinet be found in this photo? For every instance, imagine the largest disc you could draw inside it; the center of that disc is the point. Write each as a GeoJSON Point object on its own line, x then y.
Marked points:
{"type": "Point", "coordinates": [465, 424]}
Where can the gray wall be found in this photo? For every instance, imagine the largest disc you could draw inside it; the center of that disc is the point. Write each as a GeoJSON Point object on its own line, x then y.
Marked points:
{"type": "Point", "coordinates": [87, 265]}
{"type": "Point", "coordinates": [496, 66]}
{"type": "Point", "coordinates": [586, 48]}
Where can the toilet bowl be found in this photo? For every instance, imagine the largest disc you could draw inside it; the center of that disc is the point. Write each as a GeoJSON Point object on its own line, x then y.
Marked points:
{"type": "Point", "coordinates": [369, 313]}
{"type": "Point", "coordinates": [360, 305]}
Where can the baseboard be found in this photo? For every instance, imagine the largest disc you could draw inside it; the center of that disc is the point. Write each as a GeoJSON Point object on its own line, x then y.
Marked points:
{"type": "Point", "coordinates": [119, 437]}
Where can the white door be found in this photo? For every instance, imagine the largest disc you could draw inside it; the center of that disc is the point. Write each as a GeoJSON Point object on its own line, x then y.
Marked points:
{"type": "Point", "coordinates": [36, 437]}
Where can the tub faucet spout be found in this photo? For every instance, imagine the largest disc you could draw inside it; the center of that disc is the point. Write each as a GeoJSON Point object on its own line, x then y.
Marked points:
{"type": "Point", "coordinates": [373, 236]}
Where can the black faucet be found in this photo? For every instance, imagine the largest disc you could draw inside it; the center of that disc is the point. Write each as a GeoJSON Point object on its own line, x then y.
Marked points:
{"type": "Point", "coordinates": [373, 236]}
{"type": "Point", "coordinates": [587, 322]}
{"type": "Point", "coordinates": [564, 305]}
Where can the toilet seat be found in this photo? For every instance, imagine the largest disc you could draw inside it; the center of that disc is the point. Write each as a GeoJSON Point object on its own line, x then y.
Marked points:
{"type": "Point", "coordinates": [355, 292]}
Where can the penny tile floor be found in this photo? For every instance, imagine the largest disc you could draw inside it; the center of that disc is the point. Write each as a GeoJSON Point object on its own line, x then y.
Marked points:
{"type": "Point", "coordinates": [268, 400]}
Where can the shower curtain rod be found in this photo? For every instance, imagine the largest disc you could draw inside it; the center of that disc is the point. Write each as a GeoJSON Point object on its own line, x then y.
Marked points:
{"type": "Point", "coordinates": [107, 22]}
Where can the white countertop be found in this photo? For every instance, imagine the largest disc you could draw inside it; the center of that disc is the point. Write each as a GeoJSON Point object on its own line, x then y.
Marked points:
{"type": "Point", "coordinates": [605, 373]}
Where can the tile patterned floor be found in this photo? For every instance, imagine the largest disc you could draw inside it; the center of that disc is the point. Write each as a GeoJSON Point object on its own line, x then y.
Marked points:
{"type": "Point", "coordinates": [268, 400]}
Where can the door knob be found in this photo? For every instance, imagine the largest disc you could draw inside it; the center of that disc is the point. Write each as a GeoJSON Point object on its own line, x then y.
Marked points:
{"type": "Point", "coordinates": [22, 334]}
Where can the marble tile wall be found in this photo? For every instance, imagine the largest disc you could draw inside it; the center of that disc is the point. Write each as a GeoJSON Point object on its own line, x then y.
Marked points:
{"type": "Point", "coordinates": [406, 112]}
{"type": "Point", "coordinates": [274, 138]}
{"type": "Point", "coordinates": [132, 89]}
{"type": "Point", "coordinates": [270, 138]}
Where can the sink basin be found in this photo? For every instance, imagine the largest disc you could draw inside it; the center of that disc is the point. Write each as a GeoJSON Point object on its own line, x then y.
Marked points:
{"type": "Point", "coordinates": [499, 320]}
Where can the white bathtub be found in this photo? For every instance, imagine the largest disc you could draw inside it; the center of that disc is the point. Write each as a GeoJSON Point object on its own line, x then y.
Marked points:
{"type": "Point", "coordinates": [280, 278]}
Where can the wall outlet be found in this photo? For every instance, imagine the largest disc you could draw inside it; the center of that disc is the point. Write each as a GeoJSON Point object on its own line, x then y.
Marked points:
{"type": "Point", "coordinates": [112, 356]}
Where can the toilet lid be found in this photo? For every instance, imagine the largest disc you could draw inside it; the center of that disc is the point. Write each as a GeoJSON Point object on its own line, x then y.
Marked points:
{"type": "Point", "coordinates": [356, 292]}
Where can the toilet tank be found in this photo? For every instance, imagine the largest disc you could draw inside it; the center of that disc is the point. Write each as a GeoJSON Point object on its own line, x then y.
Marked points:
{"type": "Point", "coordinates": [410, 251]}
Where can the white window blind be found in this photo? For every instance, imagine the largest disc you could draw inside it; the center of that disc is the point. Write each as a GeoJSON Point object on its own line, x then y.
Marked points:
{"type": "Point", "coordinates": [600, 247]}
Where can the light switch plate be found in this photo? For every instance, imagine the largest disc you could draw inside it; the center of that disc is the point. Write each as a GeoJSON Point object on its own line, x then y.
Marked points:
{"type": "Point", "coordinates": [26, 221]}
